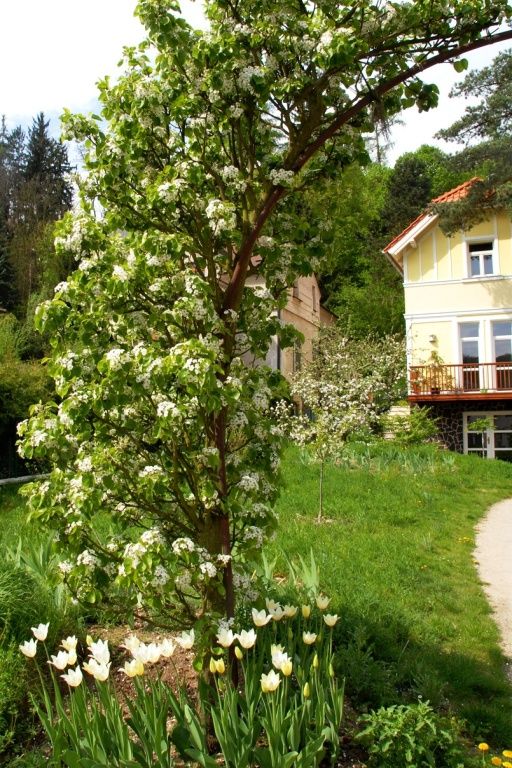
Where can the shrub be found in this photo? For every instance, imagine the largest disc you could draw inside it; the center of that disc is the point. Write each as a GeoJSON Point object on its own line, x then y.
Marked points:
{"type": "Point", "coordinates": [410, 736]}
{"type": "Point", "coordinates": [13, 693]}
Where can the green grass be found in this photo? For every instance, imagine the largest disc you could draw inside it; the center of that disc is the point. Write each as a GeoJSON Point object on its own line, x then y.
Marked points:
{"type": "Point", "coordinates": [395, 554]}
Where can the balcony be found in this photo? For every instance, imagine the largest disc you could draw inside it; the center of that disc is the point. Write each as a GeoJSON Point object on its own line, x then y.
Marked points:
{"type": "Point", "coordinates": [467, 381]}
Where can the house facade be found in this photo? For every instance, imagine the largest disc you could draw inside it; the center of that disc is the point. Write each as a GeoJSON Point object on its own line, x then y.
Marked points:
{"type": "Point", "coordinates": [304, 311]}
{"type": "Point", "coordinates": [458, 315]}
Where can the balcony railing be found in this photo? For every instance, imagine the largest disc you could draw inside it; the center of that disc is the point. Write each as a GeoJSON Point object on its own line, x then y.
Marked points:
{"type": "Point", "coordinates": [460, 379]}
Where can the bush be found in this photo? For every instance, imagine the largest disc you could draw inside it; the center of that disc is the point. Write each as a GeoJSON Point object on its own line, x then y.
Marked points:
{"type": "Point", "coordinates": [13, 692]}
{"type": "Point", "coordinates": [410, 736]}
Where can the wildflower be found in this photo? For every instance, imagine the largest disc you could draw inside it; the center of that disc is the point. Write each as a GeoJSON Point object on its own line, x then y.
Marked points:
{"type": "Point", "coordinates": [506, 764]}
{"type": "Point", "coordinates": [133, 668]}
{"type": "Point", "coordinates": [99, 651]}
{"type": "Point", "coordinates": [69, 643]}
{"type": "Point", "coordinates": [290, 611]}
{"type": "Point", "coordinates": [322, 602]}
{"type": "Point", "coordinates": [507, 753]}
{"type": "Point", "coordinates": [98, 671]}
{"type": "Point", "coordinates": [260, 618]}
{"type": "Point", "coordinates": [483, 747]}
{"type": "Point", "coordinates": [270, 682]}
{"type": "Point", "coordinates": [331, 619]}
{"type": "Point", "coordinates": [306, 611]}
{"type": "Point", "coordinates": [247, 638]}
{"type": "Point", "coordinates": [225, 637]}
{"type": "Point", "coordinates": [309, 637]}
{"type": "Point", "coordinates": [41, 631]}
{"type": "Point", "coordinates": [496, 761]}
{"type": "Point", "coordinates": [306, 691]}
{"type": "Point", "coordinates": [29, 648]}
{"type": "Point", "coordinates": [73, 677]}
{"type": "Point", "coordinates": [60, 661]}
{"type": "Point", "coordinates": [186, 640]}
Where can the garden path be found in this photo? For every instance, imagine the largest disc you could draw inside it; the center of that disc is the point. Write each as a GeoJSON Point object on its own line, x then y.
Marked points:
{"type": "Point", "coordinates": [493, 555]}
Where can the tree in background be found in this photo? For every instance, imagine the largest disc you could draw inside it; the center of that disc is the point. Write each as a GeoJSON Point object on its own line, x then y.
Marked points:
{"type": "Point", "coordinates": [486, 129]}
{"type": "Point", "coordinates": [199, 150]}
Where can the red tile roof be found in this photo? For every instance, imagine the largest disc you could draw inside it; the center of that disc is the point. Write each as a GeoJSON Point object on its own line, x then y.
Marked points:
{"type": "Point", "coordinates": [457, 193]}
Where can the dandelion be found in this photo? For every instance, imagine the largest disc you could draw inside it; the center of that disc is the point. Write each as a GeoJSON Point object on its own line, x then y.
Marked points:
{"type": "Point", "coordinates": [41, 631]}
{"type": "Point", "coordinates": [133, 668]}
{"type": "Point", "coordinates": [73, 677]}
{"type": "Point", "coordinates": [260, 618]}
{"type": "Point", "coordinates": [270, 682]}
{"type": "Point", "coordinates": [29, 648]}
{"type": "Point", "coordinates": [330, 619]}
{"type": "Point", "coordinates": [309, 637]}
{"type": "Point", "coordinates": [507, 753]}
{"type": "Point", "coordinates": [496, 761]}
{"type": "Point", "coordinates": [247, 638]}
{"type": "Point", "coordinates": [483, 747]}
{"type": "Point", "coordinates": [60, 661]}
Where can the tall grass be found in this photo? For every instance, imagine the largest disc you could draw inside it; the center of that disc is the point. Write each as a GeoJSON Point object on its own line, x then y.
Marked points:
{"type": "Point", "coordinates": [396, 553]}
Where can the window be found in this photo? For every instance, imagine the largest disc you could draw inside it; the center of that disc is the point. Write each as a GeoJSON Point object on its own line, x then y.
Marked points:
{"type": "Point", "coordinates": [502, 335]}
{"type": "Point", "coordinates": [313, 298]}
{"type": "Point", "coordinates": [469, 334]}
{"type": "Point", "coordinates": [480, 259]}
{"type": "Point", "coordinates": [295, 290]}
{"type": "Point", "coordinates": [297, 357]}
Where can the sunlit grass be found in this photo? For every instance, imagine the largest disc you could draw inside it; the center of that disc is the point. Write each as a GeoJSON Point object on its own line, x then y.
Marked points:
{"type": "Point", "coordinates": [395, 551]}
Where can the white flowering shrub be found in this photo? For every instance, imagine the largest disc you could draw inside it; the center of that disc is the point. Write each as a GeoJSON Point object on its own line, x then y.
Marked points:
{"type": "Point", "coordinates": [159, 433]}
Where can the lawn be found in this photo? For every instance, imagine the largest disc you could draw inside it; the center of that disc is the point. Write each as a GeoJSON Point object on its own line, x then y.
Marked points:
{"type": "Point", "coordinates": [396, 554]}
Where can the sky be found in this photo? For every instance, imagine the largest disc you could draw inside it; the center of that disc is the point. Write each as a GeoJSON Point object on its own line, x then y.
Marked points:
{"type": "Point", "coordinates": [53, 52]}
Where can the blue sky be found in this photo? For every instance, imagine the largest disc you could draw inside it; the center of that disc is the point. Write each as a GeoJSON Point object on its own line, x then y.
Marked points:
{"type": "Point", "coordinates": [55, 51]}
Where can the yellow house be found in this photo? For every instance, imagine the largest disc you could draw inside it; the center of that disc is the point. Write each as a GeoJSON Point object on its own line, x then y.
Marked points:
{"type": "Point", "coordinates": [458, 315]}
{"type": "Point", "coordinates": [304, 311]}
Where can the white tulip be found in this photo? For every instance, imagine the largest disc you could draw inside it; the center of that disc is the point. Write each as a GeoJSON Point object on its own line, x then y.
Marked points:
{"type": "Point", "coordinates": [247, 638]}
{"type": "Point", "coordinates": [41, 631]}
{"type": "Point", "coordinates": [29, 648]}
{"type": "Point", "coordinates": [60, 661]}
{"type": "Point", "coordinates": [73, 677]}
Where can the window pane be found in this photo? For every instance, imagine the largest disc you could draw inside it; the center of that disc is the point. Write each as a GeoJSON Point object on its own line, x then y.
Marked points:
{"type": "Point", "coordinates": [503, 350]}
{"type": "Point", "coordinates": [470, 351]}
{"type": "Point", "coordinates": [487, 264]}
{"type": "Point", "coordinates": [474, 266]}
{"type": "Point", "coordinates": [468, 330]}
{"type": "Point", "coordinates": [474, 440]}
{"type": "Point", "coordinates": [503, 422]}
{"type": "Point", "coordinates": [502, 328]}
{"type": "Point", "coordinates": [480, 247]}
{"type": "Point", "coordinates": [503, 440]}
{"type": "Point", "coordinates": [504, 455]}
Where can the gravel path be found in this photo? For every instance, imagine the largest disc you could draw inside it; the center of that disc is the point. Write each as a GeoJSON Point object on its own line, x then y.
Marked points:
{"type": "Point", "coordinates": [493, 554]}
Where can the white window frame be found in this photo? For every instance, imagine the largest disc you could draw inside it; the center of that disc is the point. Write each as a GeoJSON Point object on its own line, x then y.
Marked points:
{"type": "Point", "coordinates": [481, 241]}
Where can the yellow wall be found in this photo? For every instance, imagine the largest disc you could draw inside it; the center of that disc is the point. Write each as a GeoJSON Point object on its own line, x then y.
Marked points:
{"type": "Point", "coordinates": [420, 346]}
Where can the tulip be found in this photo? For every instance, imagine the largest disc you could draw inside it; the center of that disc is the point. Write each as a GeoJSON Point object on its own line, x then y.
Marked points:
{"type": "Point", "coordinates": [306, 611]}
{"type": "Point", "coordinates": [186, 640]}
{"type": "Point", "coordinates": [238, 653]}
{"type": "Point", "coordinates": [247, 638]}
{"type": "Point", "coordinates": [167, 648]}
{"type": "Point", "coordinates": [225, 637]}
{"type": "Point", "coordinates": [277, 614]}
{"type": "Point", "coordinates": [306, 691]}
{"type": "Point", "coordinates": [220, 667]}
{"type": "Point", "coordinates": [60, 661]}
{"type": "Point", "coordinates": [131, 643]}
{"type": "Point", "coordinates": [212, 666]}
{"type": "Point", "coordinates": [99, 651]}
{"type": "Point", "coordinates": [309, 637]}
{"type": "Point", "coordinates": [71, 657]}
{"type": "Point", "coordinates": [133, 668]}
{"type": "Point", "coordinates": [260, 618]}
{"type": "Point", "coordinates": [41, 631]}
{"type": "Point", "coordinates": [29, 648]}
{"type": "Point", "coordinates": [69, 644]}
{"type": "Point", "coordinates": [97, 670]}
{"type": "Point", "coordinates": [286, 667]}
{"type": "Point", "coordinates": [290, 611]}
{"type": "Point", "coordinates": [271, 605]}
{"type": "Point", "coordinates": [270, 682]}
{"type": "Point", "coordinates": [279, 658]}
{"type": "Point", "coordinates": [315, 661]}
{"type": "Point", "coordinates": [331, 619]}
{"type": "Point", "coordinates": [73, 677]}
{"type": "Point", "coordinates": [322, 602]}
{"type": "Point", "coordinates": [153, 653]}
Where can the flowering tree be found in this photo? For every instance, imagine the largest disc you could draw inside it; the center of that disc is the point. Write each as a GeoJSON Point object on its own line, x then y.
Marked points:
{"type": "Point", "coordinates": [342, 392]}
{"type": "Point", "coordinates": [159, 429]}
